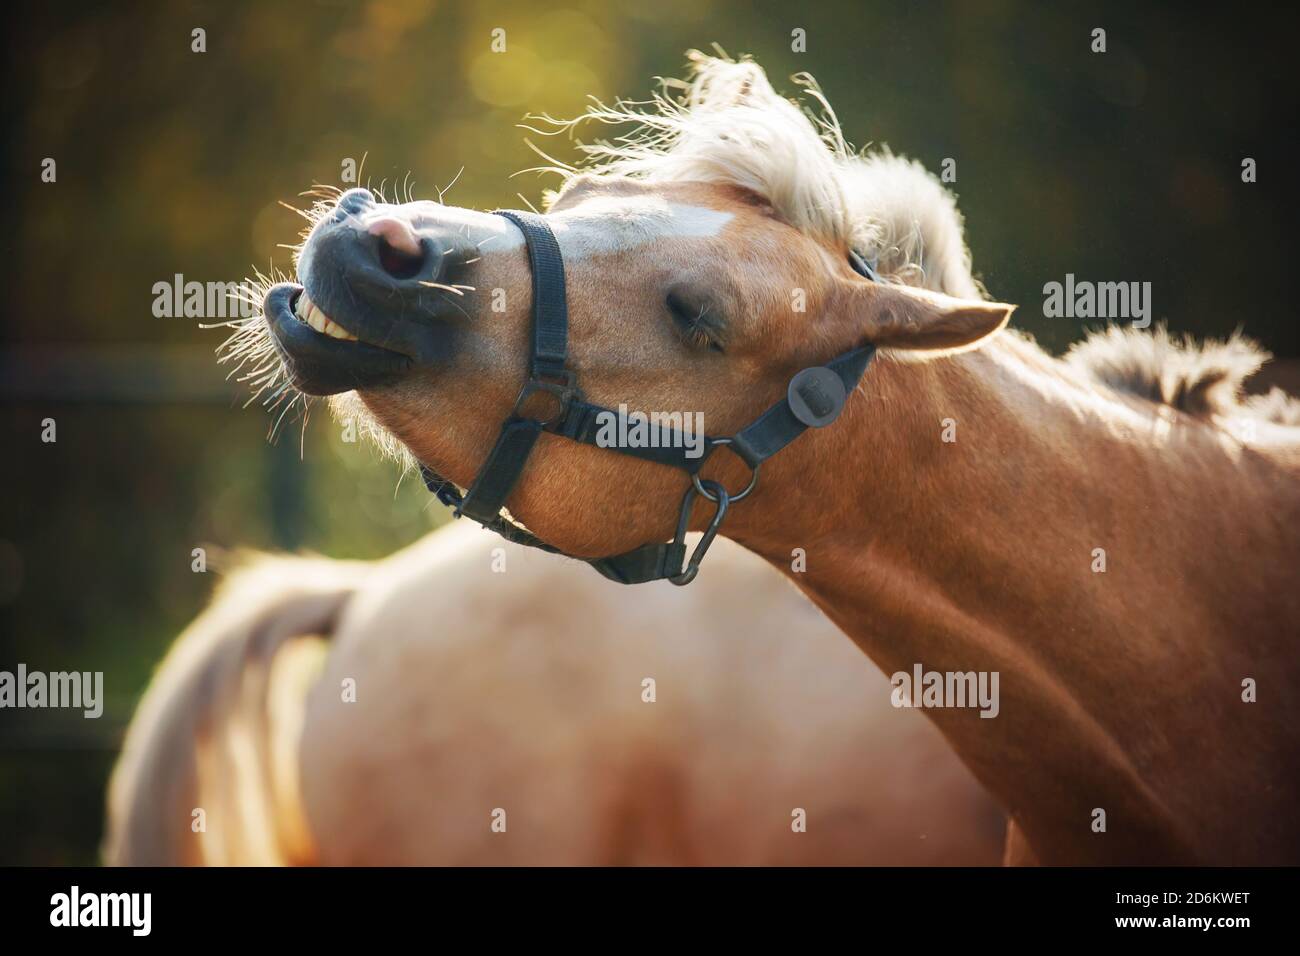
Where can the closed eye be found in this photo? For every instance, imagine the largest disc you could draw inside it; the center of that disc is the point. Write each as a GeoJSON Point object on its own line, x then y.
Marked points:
{"type": "Point", "coordinates": [693, 322]}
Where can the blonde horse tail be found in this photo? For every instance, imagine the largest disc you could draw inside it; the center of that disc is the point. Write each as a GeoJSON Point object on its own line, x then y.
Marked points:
{"type": "Point", "coordinates": [208, 774]}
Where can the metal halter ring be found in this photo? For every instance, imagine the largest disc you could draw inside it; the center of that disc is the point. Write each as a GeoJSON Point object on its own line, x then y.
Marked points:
{"type": "Point", "coordinates": [564, 392]}
{"type": "Point", "coordinates": [708, 495]}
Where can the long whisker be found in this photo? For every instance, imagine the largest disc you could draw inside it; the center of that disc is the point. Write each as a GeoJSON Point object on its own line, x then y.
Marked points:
{"type": "Point", "coordinates": [457, 289]}
{"type": "Point", "coordinates": [443, 192]}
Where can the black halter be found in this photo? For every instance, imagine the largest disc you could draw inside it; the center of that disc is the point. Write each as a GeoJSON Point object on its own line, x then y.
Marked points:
{"type": "Point", "coordinates": [814, 398]}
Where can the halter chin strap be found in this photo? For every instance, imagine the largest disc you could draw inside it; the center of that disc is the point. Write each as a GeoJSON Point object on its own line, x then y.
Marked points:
{"type": "Point", "coordinates": [815, 397]}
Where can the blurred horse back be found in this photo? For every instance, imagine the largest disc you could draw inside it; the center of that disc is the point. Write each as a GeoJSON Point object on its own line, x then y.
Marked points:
{"type": "Point", "coordinates": [467, 701]}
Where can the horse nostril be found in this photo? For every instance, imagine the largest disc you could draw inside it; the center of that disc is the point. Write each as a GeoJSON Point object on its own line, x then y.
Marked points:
{"type": "Point", "coordinates": [399, 263]}
{"type": "Point", "coordinates": [400, 251]}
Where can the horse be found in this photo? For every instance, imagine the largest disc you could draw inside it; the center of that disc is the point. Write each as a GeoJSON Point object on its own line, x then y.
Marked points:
{"type": "Point", "coordinates": [1096, 530]}
{"type": "Point", "coordinates": [470, 702]}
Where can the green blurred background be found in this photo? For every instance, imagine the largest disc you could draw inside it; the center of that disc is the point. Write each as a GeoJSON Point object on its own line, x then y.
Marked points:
{"type": "Point", "coordinates": [1119, 166]}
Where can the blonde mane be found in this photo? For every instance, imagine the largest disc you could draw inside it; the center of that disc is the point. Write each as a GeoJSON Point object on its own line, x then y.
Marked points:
{"type": "Point", "coordinates": [1202, 380]}
{"type": "Point", "coordinates": [727, 124]}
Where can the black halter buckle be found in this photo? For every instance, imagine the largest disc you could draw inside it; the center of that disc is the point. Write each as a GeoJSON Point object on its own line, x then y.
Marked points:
{"type": "Point", "coordinates": [713, 492]}
{"type": "Point", "coordinates": [564, 392]}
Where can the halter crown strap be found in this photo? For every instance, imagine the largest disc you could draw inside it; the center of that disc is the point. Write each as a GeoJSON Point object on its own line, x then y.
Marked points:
{"type": "Point", "coordinates": [815, 397]}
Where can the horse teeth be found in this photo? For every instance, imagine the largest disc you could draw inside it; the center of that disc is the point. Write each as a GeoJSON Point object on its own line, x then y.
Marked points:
{"type": "Point", "coordinates": [334, 330]}
{"type": "Point", "coordinates": [310, 313]}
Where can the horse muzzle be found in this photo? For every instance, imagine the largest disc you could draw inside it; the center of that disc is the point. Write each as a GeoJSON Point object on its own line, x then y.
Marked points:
{"type": "Point", "coordinates": [376, 299]}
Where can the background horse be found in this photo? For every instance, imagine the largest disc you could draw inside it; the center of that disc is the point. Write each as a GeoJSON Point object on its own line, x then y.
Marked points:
{"type": "Point", "coordinates": [509, 682]}
{"type": "Point", "coordinates": [1098, 533]}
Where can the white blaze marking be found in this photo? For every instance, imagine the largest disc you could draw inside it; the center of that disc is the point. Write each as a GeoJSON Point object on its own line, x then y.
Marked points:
{"type": "Point", "coordinates": [607, 224]}
{"type": "Point", "coordinates": [600, 226]}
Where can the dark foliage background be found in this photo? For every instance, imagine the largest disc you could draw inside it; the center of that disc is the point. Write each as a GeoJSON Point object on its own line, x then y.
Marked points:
{"type": "Point", "coordinates": [1120, 166]}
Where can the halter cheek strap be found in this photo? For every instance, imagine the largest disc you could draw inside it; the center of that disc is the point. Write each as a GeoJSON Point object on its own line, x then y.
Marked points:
{"type": "Point", "coordinates": [814, 398]}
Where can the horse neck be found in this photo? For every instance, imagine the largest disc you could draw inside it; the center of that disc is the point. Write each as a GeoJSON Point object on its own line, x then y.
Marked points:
{"type": "Point", "coordinates": [981, 553]}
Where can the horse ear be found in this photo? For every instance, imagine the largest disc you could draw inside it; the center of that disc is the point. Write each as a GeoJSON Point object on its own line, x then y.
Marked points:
{"type": "Point", "coordinates": [901, 317]}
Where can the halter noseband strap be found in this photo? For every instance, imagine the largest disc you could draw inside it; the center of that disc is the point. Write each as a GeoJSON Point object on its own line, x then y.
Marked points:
{"type": "Point", "coordinates": [814, 398]}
